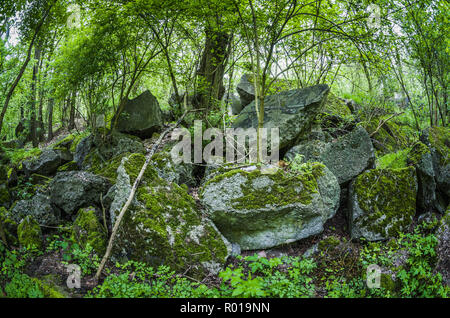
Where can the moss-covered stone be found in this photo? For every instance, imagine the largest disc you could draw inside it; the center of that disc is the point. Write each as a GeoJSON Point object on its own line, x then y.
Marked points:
{"type": "Point", "coordinates": [388, 283]}
{"type": "Point", "coordinates": [258, 210]}
{"type": "Point", "coordinates": [64, 143]}
{"type": "Point", "coordinates": [88, 230]}
{"type": "Point", "coordinates": [101, 147]}
{"type": "Point", "coordinates": [390, 137]}
{"type": "Point", "coordinates": [70, 166]}
{"type": "Point", "coordinates": [181, 173]}
{"type": "Point", "coordinates": [109, 169]}
{"type": "Point", "coordinates": [382, 203]}
{"type": "Point", "coordinates": [163, 225]}
{"type": "Point", "coordinates": [406, 157]}
{"type": "Point", "coordinates": [335, 106]}
{"type": "Point", "coordinates": [8, 228]}
{"type": "Point", "coordinates": [49, 287]}
{"type": "Point", "coordinates": [5, 198]}
{"type": "Point", "coordinates": [329, 243]}
{"type": "Point", "coordinates": [29, 233]}
{"type": "Point", "coordinates": [439, 138]}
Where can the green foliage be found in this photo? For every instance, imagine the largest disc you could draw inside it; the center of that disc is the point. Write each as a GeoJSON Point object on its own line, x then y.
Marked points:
{"type": "Point", "coordinates": [14, 282]}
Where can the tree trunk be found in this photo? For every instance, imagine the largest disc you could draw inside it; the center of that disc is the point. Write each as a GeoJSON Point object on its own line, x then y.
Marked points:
{"type": "Point", "coordinates": [33, 123]}
{"type": "Point", "coordinates": [24, 66]}
{"type": "Point", "coordinates": [210, 87]}
{"type": "Point", "coordinates": [72, 103]}
{"type": "Point", "coordinates": [51, 102]}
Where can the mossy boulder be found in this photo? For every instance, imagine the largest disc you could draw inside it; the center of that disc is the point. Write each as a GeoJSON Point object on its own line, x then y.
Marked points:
{"type": "Point", "coordinates": [163, 224]}
{"type": "Point", "coordinates": [51, 286]}
{"type": "Point", "coordinates": [181, 173]}
{"type": "Point", "coordinates": [96, 150]}
{"type": "Point", "coordinates": [382, 203]}
{"type": "Point", "coordinates": [70, 191]}
{"type": "Point", "coordinates": [140, 116]}
{"type": "Point", "coordinates": [336, 107]}
{"type": "Point", "coordinates": [8, 228]}
{"type": "Point", "coordinates": [39, 207]}
{"type": "Point", "coordinates": [65, 142]}
{"type": "Point", "coordinates": [258, 210]}
{"type": "Point", "coordinates": [293, 112]}
{"type": "Point", "coordinates": [246, 90]}
{"type": "Point", "coordinates": [70, 166]}
{"type": "Point", "coordinates": [47, 163]}
{"type": "Point", "coordinates": [88, 230]}
{"type": "Point", "coordinates": [390, 136]}
{"type": "Point", "coordinates": [443, 248]}
{"type": "Point", "coordinates": [29, 233]}
{"type": "Point", "coordinates": [419, 156]}
{"type": "Point", "coordinates": [438, 140]}
{"type": "Point", "coordinates": [346, 157]}
{"type": "Point", "coordinates": [5, 198]}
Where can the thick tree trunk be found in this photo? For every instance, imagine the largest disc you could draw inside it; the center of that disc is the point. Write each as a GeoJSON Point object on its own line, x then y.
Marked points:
{"type": "Point", "coordinates": [210, 87]}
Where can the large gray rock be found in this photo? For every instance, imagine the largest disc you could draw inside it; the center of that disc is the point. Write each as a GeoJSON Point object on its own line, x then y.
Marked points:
{"type": "Point", "coordinates": [382, 203]}
{"type": "Point", "coordinates": [141, 116]}
{"type": "Point", "coordinates": [246, 90]}
{"type": "Point", "coordinates": [236, 105]}
{"type": "Point", "coordinates": [258, 211]}
{"type": "Point", "coordinates": [163, 224]}
{"type": "Point", "coordinates": [438, 140]}
{"type": "Point", "coordinates": [420, 157]}
{"type": "Point", "coordinates": [47, 163]}
{"type": "Point", "coordinates": [293, 112]}
{"type": "Point", "coordinates": [94, 151]}
{"type": "Point", "coordinates": [73, 190]}
{"type": "Point", "coordinates": [39, 207]}
{"type": "Point", "coordinates": [443, 248]}
{"type": "Point", "coordinates": [346, 157]}
{"type": "Point", "coordinates": [181, 173]}
{"type": "Point", "coordinates": [82, 150]}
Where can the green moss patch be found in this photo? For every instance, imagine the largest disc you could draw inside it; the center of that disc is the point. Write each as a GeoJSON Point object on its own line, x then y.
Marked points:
{"type": "Point", "coordinates": [388, 199]}
{"type": "Point", "coordinates": [88, 230]}
{"type": "Point", "coordinates": [29, 233]}
{"type": "Point", "coordinates": [439, 138]}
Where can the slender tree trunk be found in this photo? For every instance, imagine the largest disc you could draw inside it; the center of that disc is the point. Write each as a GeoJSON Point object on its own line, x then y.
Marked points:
{"type": "Point", "coordinates": [33, 123]}
{"type": "Point", "coordinates": [51, 103]}
{"type": "Point", "coordinates": [24, 66]}
{"type": "Point", "coordinates": [72, 103]}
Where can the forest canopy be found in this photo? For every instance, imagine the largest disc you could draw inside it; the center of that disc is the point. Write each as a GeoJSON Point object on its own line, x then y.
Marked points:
{"type": "Point", "coordinates": [68, 60]}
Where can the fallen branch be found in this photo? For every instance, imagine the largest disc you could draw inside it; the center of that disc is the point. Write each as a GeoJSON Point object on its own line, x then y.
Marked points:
{"type": "Point", "coordinates": [382, 122]}
{"type": "Point", "coordinates": [149, 155]}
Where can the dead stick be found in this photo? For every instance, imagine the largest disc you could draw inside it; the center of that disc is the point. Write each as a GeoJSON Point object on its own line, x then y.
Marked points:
{"type": "Point", "coordinates": [381, 124]}
{"type": "Point", "coordinates": [131, 196]}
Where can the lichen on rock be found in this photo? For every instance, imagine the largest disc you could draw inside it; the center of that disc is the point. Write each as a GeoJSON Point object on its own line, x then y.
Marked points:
{"type": "Point", "coordinates": [382, 203]}
{"type": "Point", "coordinates": [257, 210]}
{"type": "Point", "coordinates": [88, 230]}
{"type": "Point", "coordinates": [163, 225]}
{"type": "Point", "coordinates": [29, 233]}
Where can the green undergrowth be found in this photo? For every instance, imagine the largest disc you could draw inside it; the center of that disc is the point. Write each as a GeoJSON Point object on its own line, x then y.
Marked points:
{"type": "Point", "coordinates": [337, 269]}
